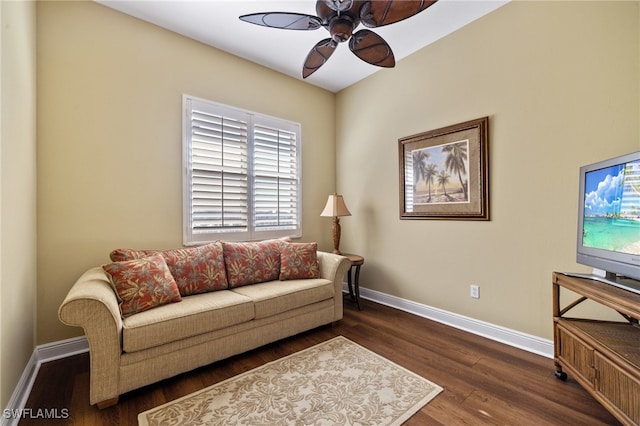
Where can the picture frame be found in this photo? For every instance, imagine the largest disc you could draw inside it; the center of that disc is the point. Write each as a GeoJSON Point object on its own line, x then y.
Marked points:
{"type": "Point", "coordinates": [444, 173]}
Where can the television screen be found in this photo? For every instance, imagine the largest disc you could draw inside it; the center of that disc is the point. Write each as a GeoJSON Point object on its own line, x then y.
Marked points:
{"type": "Point", "coordinates": [609, 219]}
{"type": "Point", "coordinates": [612, 208]}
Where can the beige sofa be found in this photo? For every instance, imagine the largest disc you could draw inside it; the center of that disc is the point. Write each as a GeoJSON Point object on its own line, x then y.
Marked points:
{"type": "Point", "coordinates": [140, 349]}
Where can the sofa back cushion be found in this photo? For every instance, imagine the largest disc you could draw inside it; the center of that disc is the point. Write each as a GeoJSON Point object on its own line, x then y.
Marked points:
{"type": "Point", "coordinates": [195, 269]}
{"type": "Point", "coordinates": [142, 284]}
{"type": "Point", "coordinates": [252, 262]}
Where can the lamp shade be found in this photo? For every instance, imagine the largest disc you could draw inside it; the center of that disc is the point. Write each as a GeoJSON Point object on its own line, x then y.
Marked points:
{"type": "Point", "coordinates": [335, 207]}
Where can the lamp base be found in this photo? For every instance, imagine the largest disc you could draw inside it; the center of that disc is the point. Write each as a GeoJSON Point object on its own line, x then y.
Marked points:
{"type": "Point", "coordinates": [336, 235]}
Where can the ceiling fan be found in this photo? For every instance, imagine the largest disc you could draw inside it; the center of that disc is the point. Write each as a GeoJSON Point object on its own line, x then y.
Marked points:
{"type": "Point", "coordinates": [341, 18]}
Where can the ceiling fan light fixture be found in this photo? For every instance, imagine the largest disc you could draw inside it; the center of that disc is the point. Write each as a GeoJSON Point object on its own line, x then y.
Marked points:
{"type": "Point", "coordinates": [341, 18]}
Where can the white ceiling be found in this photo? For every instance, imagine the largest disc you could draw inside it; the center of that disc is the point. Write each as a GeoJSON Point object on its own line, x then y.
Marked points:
{"type": "Point", "coordinates": [216, 23]}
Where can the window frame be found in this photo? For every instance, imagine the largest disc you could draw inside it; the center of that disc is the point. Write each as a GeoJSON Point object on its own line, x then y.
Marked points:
{"type": "Point", "coordinates": [253, 119]}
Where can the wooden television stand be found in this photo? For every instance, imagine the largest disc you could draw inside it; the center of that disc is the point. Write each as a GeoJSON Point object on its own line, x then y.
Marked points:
{"type": "Point", "coordinates": [603, 356]}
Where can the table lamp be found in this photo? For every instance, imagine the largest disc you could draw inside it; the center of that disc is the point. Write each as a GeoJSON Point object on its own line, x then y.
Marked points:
{"type": "Point", "coordinates": [335, 208]}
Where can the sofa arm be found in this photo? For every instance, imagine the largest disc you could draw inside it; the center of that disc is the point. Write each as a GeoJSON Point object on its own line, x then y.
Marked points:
{"type": "Point", "coordinates": [92, 304]}
{"type": "Point", "coordinates": [334, 267]}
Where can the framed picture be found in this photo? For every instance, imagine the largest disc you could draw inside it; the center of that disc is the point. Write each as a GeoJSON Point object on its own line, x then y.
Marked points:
{"type": "Point", "coordinates": [444, 173]}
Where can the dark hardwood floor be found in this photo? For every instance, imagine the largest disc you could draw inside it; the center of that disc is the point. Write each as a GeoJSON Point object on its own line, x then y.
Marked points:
{"type": "Point", "coordinates": [485, 382]}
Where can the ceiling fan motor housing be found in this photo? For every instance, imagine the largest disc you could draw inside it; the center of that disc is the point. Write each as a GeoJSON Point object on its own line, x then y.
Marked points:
{"type": "Point", "coordinates": [341, 29]}
{"type": "Point", "coordinates": [340, 17]}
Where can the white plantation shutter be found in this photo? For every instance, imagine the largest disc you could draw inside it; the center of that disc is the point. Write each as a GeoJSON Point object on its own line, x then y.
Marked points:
{"type": "Point", "coordinates": [242, 174]}
{"type": "Point", "coordinates": [219, 191]}
{"type": "Point", "coordinates": [276, 178]}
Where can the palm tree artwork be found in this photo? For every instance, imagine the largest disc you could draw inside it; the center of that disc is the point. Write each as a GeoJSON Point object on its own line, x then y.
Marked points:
{"type": "Point", "coordinates": [429, 177]}
{"type": "Point", "coordinates": [431, 173]}
{"type": "Point", "coordinates": [456, 162]}
{"type": "Point", "coordinates": [443, 179]}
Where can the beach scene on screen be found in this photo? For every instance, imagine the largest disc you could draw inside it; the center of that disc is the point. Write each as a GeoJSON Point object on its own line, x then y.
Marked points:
{"type": "Point", "coordinates": [611, 218]}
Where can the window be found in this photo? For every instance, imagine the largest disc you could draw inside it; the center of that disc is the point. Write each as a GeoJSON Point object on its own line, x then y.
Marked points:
{"type": "Point", "coordinates": [241, 174]}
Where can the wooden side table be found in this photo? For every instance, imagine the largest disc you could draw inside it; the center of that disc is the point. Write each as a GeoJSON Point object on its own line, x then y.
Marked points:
{"type": "Point", "coordinates": [354, 288]}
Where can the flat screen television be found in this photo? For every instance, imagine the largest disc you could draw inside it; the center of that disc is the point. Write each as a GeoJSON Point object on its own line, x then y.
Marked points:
{"type": "Point", "coordinates": [609, 220]}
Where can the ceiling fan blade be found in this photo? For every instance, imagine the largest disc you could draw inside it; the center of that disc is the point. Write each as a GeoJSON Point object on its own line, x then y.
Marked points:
{"type": "Point", "coordinates": [376, 13]}
{"type": "Point", "coordinates": [318, 56]}
{"type": "Point", "coordinates": [284, 20]}
{"type": "Point", "coordinates": [372, 48]}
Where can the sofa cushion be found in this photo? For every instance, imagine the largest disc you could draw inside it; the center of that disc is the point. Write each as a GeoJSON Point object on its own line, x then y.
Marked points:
{"type": "Point", "coordinates": [299, 261]}
{"type": "Point", "coordinates": [142, 284]}
{"type": "Point", "coordinates": [274, 297]}
{"type": "Point", "coordinates": [251, 262]}
{"type": "Point", "coordinates": [195, 315]}
{"type": "Point", "coordinates": [195, 269]}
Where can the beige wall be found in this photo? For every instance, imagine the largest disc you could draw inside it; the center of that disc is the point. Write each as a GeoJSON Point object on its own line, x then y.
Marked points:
{"type": "Point", "coordinates": [17, 191]}
{"type": "Point", "coordinates": [109, 138]}
{"type": "Point", "coordinates": [559, 81]}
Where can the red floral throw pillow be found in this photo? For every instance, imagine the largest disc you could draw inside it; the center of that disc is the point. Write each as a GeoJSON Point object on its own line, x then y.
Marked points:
{"type": "Point", "coordinates": [142, 284]}
{"type": "Point", "coordinates": [120, 255]}
{"type": "Point", "coordinates": [253, 262]}
{"type": "Point", "coordinates": [195, 269]}
{"type": "Point", "coordinates": [299, 261]}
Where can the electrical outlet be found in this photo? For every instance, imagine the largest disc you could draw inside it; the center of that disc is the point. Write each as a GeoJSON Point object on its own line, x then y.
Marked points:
{"type": "Point", "coordinates": [475, 291]}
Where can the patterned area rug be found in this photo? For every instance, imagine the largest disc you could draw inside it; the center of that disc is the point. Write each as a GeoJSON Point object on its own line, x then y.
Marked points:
{"type": "Point", "coordinates": [334, 383]}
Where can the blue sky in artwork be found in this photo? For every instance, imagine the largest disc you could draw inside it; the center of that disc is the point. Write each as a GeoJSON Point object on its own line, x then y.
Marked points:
{"type": "Point", "coordinates": [438, 157]}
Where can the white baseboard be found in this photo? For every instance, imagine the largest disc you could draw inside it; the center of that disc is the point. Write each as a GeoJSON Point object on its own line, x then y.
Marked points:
{"type": "Point", "coordinates": [21, 392]}
{"type": "Point", "coordinates": [42, 353]}
{"type": "Point", "coordinates": [524, 341]}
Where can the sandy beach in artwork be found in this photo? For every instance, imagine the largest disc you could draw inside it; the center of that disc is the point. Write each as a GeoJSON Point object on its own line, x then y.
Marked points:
{"type": "Point", "coordinates": [454, 196]}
